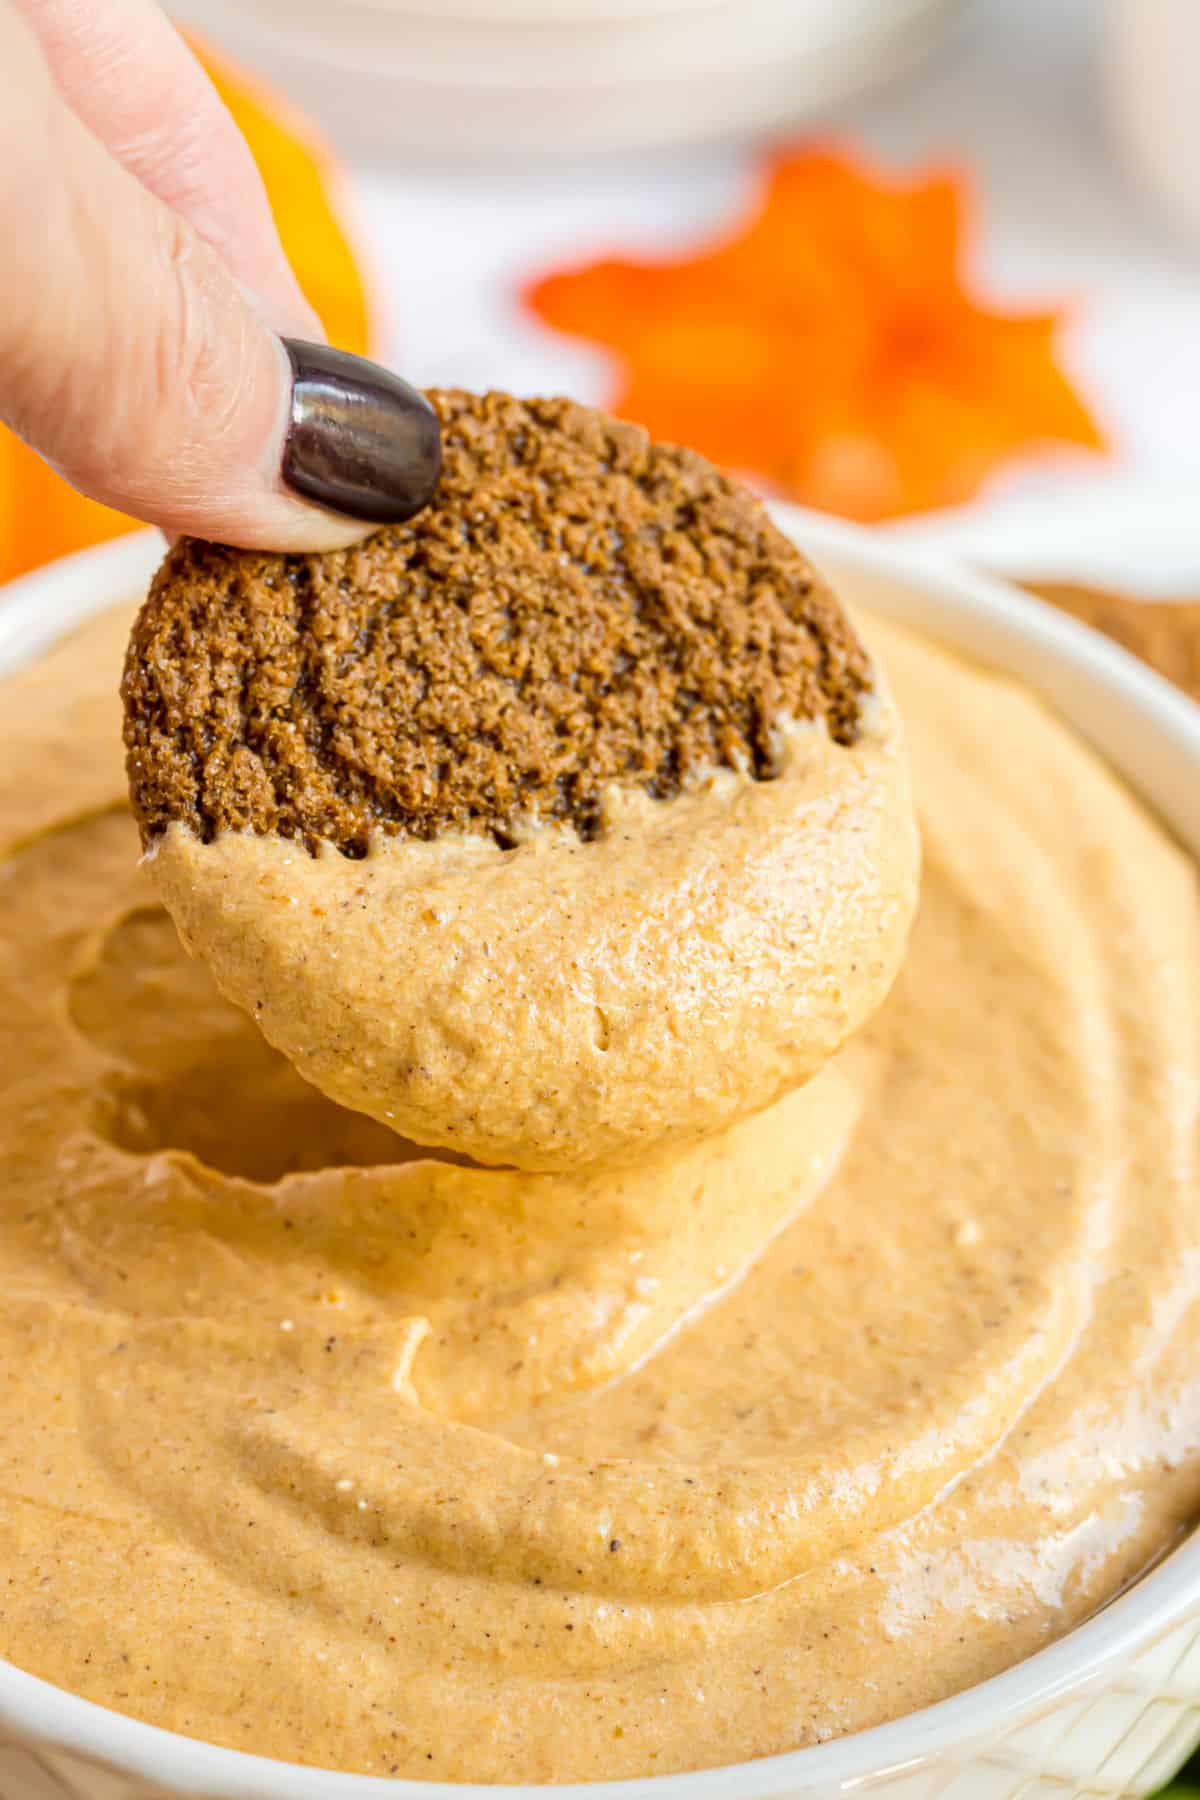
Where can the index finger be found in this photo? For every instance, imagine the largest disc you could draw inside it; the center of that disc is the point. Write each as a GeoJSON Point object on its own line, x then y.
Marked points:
{"type": "Point", "coordinates": [130, 78]}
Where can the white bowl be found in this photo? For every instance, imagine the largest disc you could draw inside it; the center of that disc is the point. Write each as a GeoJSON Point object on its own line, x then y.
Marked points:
{"type": "Point", "coordinates": [479, 81]}
{"type": "Point", "coordinates": [1114, 1707]}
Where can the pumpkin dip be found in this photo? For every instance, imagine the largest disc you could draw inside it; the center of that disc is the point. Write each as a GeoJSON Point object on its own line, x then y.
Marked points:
{"type": "Point", "coordinates": [326, 1448]}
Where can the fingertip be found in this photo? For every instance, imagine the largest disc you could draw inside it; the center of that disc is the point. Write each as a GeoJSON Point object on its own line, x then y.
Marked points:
{"type": "Point", "coordinates": [360, 442]}
{"type": "Point", "coordinates": [352, 447]}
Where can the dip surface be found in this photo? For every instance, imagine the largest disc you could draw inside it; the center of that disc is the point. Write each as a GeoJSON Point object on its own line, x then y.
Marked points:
{"type": "Point", "coordinates": [321, 1447]}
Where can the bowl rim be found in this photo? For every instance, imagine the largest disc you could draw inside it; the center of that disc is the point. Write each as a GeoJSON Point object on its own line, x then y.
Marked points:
{"type": "Point", "coordinates": [1090, 679]}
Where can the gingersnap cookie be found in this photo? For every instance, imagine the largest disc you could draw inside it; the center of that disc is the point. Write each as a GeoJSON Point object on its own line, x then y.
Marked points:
{"type": "Point", "coordinates": [568, 818]}
{"type": "Point", "coordinates": [1163, 633]}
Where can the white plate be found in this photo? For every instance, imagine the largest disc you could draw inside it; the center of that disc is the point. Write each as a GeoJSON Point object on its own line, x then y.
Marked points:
{"type": "Point", "coordinates": [1139, 539]}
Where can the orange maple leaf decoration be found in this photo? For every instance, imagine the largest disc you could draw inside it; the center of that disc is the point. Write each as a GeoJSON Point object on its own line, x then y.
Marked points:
{"type": "Point", "coordinates": [40, 516]}
{"type": "Point", "coordinates": [828, 344]}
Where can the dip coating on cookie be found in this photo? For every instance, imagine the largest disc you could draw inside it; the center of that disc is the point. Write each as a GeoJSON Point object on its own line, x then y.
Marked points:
{"type": "Point", "coordinates": [566, 822]}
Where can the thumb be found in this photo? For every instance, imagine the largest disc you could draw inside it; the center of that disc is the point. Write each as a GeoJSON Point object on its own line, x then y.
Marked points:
{"type": "Point", "coordinates": [133, 362]}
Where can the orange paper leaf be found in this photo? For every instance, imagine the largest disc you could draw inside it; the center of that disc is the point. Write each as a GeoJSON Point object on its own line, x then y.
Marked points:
{"type": "Point", "coordinates": [829, 344]}
{"type": "Point", "coordinates": [40, 516]}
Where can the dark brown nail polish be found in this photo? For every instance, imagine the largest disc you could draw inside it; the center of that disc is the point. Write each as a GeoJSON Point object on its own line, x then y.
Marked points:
{"type": "Point", "coordinates": [361, 441]}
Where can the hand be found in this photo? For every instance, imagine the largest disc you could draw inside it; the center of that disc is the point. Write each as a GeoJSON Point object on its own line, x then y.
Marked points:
{"type": "Point", "coordinates": [154, 344]}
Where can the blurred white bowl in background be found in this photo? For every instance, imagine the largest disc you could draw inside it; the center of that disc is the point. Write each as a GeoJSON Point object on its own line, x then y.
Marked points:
{"type": "Point", "coordinates": [1151, 75]}
{"type": "Point", "coordinates": [481, 78]}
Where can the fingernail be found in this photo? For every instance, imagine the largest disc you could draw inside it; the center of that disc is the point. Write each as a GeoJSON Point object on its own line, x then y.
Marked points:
{"type": "Point", "coordinates": [360, 441]}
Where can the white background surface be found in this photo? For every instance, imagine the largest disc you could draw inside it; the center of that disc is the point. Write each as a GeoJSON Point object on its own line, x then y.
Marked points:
{"type": "Point", "coordinates": [1015, 91]}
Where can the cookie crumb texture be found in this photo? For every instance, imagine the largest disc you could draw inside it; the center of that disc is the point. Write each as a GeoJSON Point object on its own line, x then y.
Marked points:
{"type": "Point", "coordinates": [578, 607]}
{"type": "Point", "coordinates": [1164, 633]}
